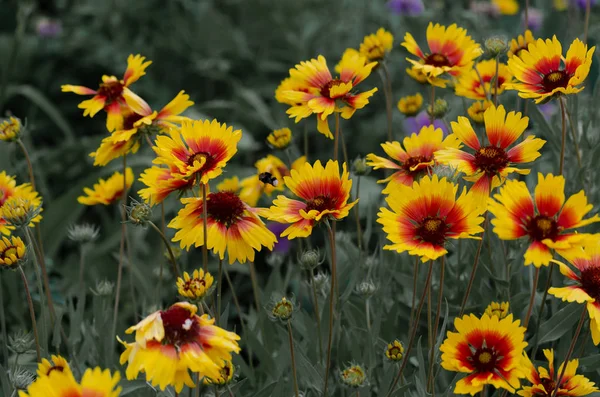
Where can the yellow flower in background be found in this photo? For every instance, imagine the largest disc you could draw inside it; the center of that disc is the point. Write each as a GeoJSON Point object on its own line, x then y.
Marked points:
{"type": "Point", "coordinates": [417, 74]}
{"type": "Point", "coordinates": [506, 7]}
{"type": "Point", "coordinates": [225, 375]}
{"type": "Point", "coordinates": [170, 343]}
{"type": "Point", "coordinates": [114, 93]}
{"type": "Point", "coordinates": [94, 383]}
{"type": "Point", "coordinates": [375, 46]}
{"type": "Point", "coordinates": [229, 184]}
{"type": "Point", "coordinates": [57, 363]}
{"type": "Point", "coordinates": [107, 191]}
{"type": "Point", "coordinates": [12, 252]}
{"type": "Point", "coordinates": [489, 349]}
{"type": "Point", "coordinates": [520, 43]}
{"type": "Point", "coordinates": [542, 73]}
{"type": "Point", "coordinates": [544, 380]}
{"type": "Point", "coordinates": [498, 309]}
{"type": "Point", "coordinates": [10, 129]}
{"type": "Point", "coordinates": [321, 94]}
{"type": "Point", "coordinates": [560, 5]}
{"type": "Point", "coordinates": [195, 287]}
{"type": "Point", "coordinates": [394, 351]}
{"type": "Point", "coordinates": [470, 85]}
{"type": "Point", "coordinates": [280, 139]}
{"type": "Point", "coordinates": [477, 110]}
{"type": "Point", "coordinates": [411, 104]}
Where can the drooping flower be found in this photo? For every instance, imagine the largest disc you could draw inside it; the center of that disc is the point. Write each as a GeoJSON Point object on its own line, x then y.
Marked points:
{"type": "Point", "coordinates": [195, 287]}
{"type": "Point", "coordinates": [323, 194]}
{"type": "Point", "coordinates": [415, 157]}
{"type": "Point", "coordinates": [587, 283]}
{"type": "Point", "coordinates": [498, 309]}
{"type": "Point", "coordinates": [542, 73]}
{"type": "Point", "coordinates": [506, 7]}
{"type": "Point", "coordinates": [417, 74]}
{"type": "Point", "coordinates": [375, 46]}
{"type": "Point", "coordinates": [489, 349]}
{"type": "Point", "coordinates": [424, 217]}
{"type": "Point", "coordinates": [233, 226]}
{"type": "Point", "coordinates": [544, 380]}
{"type": "Point", "coordinates": [411, 104]}
{"type": "Point", "coordinates": [280, 139]}
{"type": "Point", "coordinates": [470, 84]}
{"type": "Point", "coordinates": [57, 363]}
{"type": "Point", "coordinates": [16, 197]}
{"type": "Point", "coordinates": [321, 94]}
{"type": "Point", "coordinates": [170, 343]}
{"type": "Point", "coordinates": [547, 223]}
{"type": "Point", "coordinates": [12, 252]}
{"type": "Point", "coordinates": [10, 129]}
{"type": "Point", "coordinates": [114, 93]}
{"type": "Point", "coordinates": [107, 191]}
{"type": "Point", "coordinates": [94, 383]}
{"type": "Point", "coordinates": [451, 52]}
{"type": "Point", "coordinates": [489, 166]}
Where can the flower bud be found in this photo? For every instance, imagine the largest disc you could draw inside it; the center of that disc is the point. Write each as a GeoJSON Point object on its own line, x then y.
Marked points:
{"type": "Point", "coordinates": [310, 259]}
{"type": "Point", "coordinates": [103, 288]}
{"type": "Point", "coordinates": [360, 167]}
{"type": "Point", "coordinates": [280, 139]}
{"type": "Point", "coordinates": [366, 289]}
{"type": "Point", "coordinates": [497, 309]}
{"type": "Point", "coordinates": [83, 234]}
{"type": "Point", "coordinates": [275, 259]}
{"type": "Point", "coordinates": [354, 376]}
{"type": "Point", "coordinates": [496, 45]}
{"type": "Point", "coordinates": [21, 378]}
{"type": "Point", "coordinates": [12, 252]}
{"type": "Point", "coordinates": [20, 212]}
{"type": "Point", "coordinates": [20, 342]}
{"type": "Point", "coordinates": [411, 104]}
{"type": "Point", "coordinates": [196, 287]}
{"type": "Point", "coordinates": [225, 375]}
{"type": "Point", "coordinates": [440, 108]}
{"type": "Point", "coordinates": [394, 351]}
{"type": "Point", "coordinates": [322, 283]}
{"type": "Point", "coordinates": [282, 309]}
{"type": "Point", "coordinates": [139, 213]}
{"type": "Point", "coordinates": [10, 129]}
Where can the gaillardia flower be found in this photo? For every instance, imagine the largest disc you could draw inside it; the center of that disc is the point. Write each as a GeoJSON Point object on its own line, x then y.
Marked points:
{"type": "Point", "coordinates": [587, 287]}
{"type": "Point", "coordinates": [470, 85]}
{"type": "Point", "coordinates": [58, 363]}
{"type": "Point", "coordinates": [424, 216]}
{"type": "Point", "coordinates": [12, 252]}
{"type": "Point", "coordinates": [10, 129]}
{"type": "Point", "coordinates": [170, 343]}
{"type": "Point", "coordinates": [477, 110]}
{"type": "Point", "coordinates": [489, 349]}
{"type": "Point", "coordinates": [545, 222]}
{"type": "Point", "coordinates": [520, 43]}
{"type": "Point", "coordinates": [353, 376]}
{"type": "Point", "coordinates": [225, 376]}
{"type": "Point", "coordinates": [323, 192]}
{"type": "Point", "coordinates": [394, 351]}
{"type": "Point", "coordinates": [12, 197]}
{"type": "Point", "coordinates": [113, 93]}
{"type": "Point", "coordinates": [233, 226]}
{"type": "Point", "coordinates": [280, 139]}
{"type": "Point", "coordinates": [195, 287]}
{"type": "Point", "coordinates": [411, 104]}
{"type": "Point", "coordinates": [506, 7]}
{"type": "Point", "coordinates": [94, 383]}
{"type": "Point", "coordinates": [544, 380]}
{"type": "Point", "coordinates": [498, 309]}
{"type": "Point", "coordinates": [375, 46]}
{"type": "Point", "coordinates": [107, 191]}
{"type": "Point", "coordinates": [489, 166]}
{"type": "Point", "coordinates": [415, 159]}
{"type": "Point", "coordinates": [322, 94]}
{"type": "Point", "coordinates": [451, 52]}
{"type": "Point", "coordinates": [542, 73]}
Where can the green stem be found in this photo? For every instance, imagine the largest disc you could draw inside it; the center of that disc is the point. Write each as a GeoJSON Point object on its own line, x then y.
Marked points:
{"type": "Point", "coordinates": [293, 358]}
{"type": "Point", "coordinates": [169, 249]}
{"type": "Point", "coordinates": [29, 165]}
{"type": "Point", "coordinates": [574, 137]}
{"type": "Point", "coordinates": [588, 9]}
{"type": "Point", "coordinates": [431, 381]}
{"type": "Point", "coordinates": [332, 298]}
{"type": "Point", "coordinates": [387, 90]}
{"type": "Point", "coordinates": [532, 298]}
{"type": "Point", "coordinates": [542, 305]}
{"type": "Point", "coordinates": [414, 290]}
{"type": "Point", "coordinates": [317, 312]}
{"type": "Point", "coordinates": [563, 135]}
{"type": "Point", "coordinates": [359, 235]}
{"type": "Point", "coordinates": [255, 289]}
{"type": "Point", "coordinates": [219, 284]}
{"type": "Point", "coordinates": [474, 268]}
{"type": "Point", "coordinates": [32, 314]}
{"type": "Point", "coordinates": [204, 228]}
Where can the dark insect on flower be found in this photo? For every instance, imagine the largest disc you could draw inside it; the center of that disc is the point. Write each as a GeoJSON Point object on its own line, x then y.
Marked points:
{"type": "Point", "coordinates": [267, 177]}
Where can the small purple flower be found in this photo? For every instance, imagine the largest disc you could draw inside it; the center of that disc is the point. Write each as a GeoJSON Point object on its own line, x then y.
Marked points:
{"type": "Point", "coordinates": [406, 7]}
{"type": "Point", "coordinates": [583, 3]}
{"type": "Point", "coordinates": [548, 110]}
{"type": "Point", "coordinates": [414, 124]}
{"type": "Point", "coordinates": [48, 27]}
{"type": "Point", "coordinates": [283, 244]}
{"type": "Point", "coordinates": [535, 18]}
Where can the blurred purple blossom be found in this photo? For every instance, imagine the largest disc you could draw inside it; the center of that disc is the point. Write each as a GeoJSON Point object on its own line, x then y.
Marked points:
{"type": "Point", "coordinates": [583, 3]}
{"type": "Point", "coordinates": [283, 244]}
{"type": "Point", "coordinates": [414, 124]}
{"type": "Point", "coordinates": [548, 110]}
{"type": "Point", "coordinates": [406, 7]}
{"type": "Point", "coordinates": [535, 17]}
{"type": "Point", "coordinates": [48, 27]}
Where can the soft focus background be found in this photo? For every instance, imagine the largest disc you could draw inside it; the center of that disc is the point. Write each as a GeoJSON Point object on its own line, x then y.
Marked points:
{"type": "Point", "coordinates": [229, 56]}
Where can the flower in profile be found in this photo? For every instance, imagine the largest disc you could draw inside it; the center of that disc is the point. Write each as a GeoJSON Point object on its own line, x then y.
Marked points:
{"type": "Point", "coordinates": [170, 343]}
{"type": "Point", "coordinates": [422, 119]}
{"type": "Point", "coordinates": [413, 159]}
{"type": "Point", "coordinates": [225, 375]}
{"type": "Point", "coordinates": [498, 309]}
{"type": "Point", "coordinates": [451, 52]}
{"type": "Point", "coordinates": [95, 382]}
{"type": "Point", "coordinates": [12, 252]}
{"type": "Point", "coordinates": [113, 92]}
{"type": "Point", "coordinates": [417, 74]}
{"type": "Point", "coordinates": [506, 7]}
{"type": "Point", "coordinates": [470, 84]}
{"type": "Point", "coordinates": [424, 216]}
{"type": "Point", "coordinates": [545, 222]}
{"type": "Point", "coordinates": [375, 46]}
{"type": "Point", "coordinates": [354, 376]}
{"type": "Point", "coordinates": [322, 95]}
{"type": "Point", "coordinates": [489, 349]}
{"type": "Point", "coordinates": [477, 110]}
{"type": "Point", "coordinates": [324, 194]}
{"type": "Point", "coordinates": [18, 198]}
{"type": "Point", "coordinates": [543, 381]}
{"type": "Point", "coordinates": [411, 104]}
{"type": "Point", "coordinates": [406, 7]}
{"type": "Point", "coordinates": [18, 212]}
{"type": "Point", "coordinates": [57, 363]}
{"type": "Point", "coordinates": [520, 43]}
{"type": "Point", "coordinates": [107, 191]}
{"type": "Point", "coordinates": [587, 283]}
{"type": "Point", "coordinates": [233, 226]}
{"type": "Point", "coordinates": [83, 233]}
{"type": "Point", "coordinates": [10, 129]}
{"type": "Point", "coordinates": [542, 74]}
{"type": "Point", "coordinates": [289, 84]}
{"type": "Point", "coordinates": [280, 139]}
{"type": "Point", "coordinates": [489, 166]}
{"type": "Point", "coordinates": [196, 287]}
{"type": "Point", "coordinates": [394, 351]}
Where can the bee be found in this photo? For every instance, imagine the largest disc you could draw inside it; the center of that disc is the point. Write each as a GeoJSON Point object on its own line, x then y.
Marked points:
{"type": "Point", "coordinates": [267, 177]}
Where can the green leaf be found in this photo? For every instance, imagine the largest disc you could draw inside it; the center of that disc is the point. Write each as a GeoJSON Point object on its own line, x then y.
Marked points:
{"type": "Point", "coordinates": [560, 323]}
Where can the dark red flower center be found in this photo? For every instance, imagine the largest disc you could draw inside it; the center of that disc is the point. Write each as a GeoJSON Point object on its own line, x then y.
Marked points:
{"type": "Point", "coordinates": [321, 203]}
{"type": "Point", "coordinates": [438, 60]}
{"type": "Point", "coordinates": [225, 207]}
{"type": "Point", "coordinates": [180, 326]}
{"type": "Point", "coordinates": [557, 79]}
{"type": "Point", "coordinates": [549, 385]}
{"type": "Point", "coordinates": [208, 165]}
{"type": "Point", "coordinates": [111, 91]}
{"type": "Point", "coordinates": [130, 120]}
{"type": "Point", "coordinates": [433, 230]}
{"type": "Point", "coordinates": [413, 162]}
{"type": "Point", "coordinates": [326, 89]}
{"type": "Point", "coordinates": [484, 359]}
{"type": "Point", "coordinates": [590, 282]}
{"type": "Point", "coordinates": [542, 227]}
{"type": "Point", "coordinates": [491, 159]}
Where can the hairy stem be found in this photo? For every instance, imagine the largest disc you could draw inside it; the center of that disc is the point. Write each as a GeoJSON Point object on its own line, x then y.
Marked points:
{"type": "Point", "coordinates": [431, 382]}
{"type": "Point", "coordinates": [532, 298]}
{"type": "Point", "coordinates": [169, 249]}
{"type": "Point", "coordinates": [332, 299]}
{"type": "Point", "coordinates": [317, 312]}
{"type": "Point", "coordinates": [32, 314]}
{"type": "Point", "coordinates": [474, 269]}
{"type": "Point", "coordinates": [293, 358]}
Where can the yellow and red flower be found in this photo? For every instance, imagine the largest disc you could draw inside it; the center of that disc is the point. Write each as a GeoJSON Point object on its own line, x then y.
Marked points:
{"type": "Point", "coordinates": [542, 73]}
{"type": "Point", "coordinates": [375, 46]}
{"type": "Point", "coordinates": [520, 43]}
{"type": "Point", "coordinates": [415, 159]}
{"type": "Point", "coordinates": [498, 309]}
{"type": "Point", "coordinates": [94, 383]}
{"type": "Point", "coordinates": [544, 380]}
{"type": "Point", "coordinates": [170, 343]}
{"type": "Point", "coordinates": [480, 82]}
{"type": "Point", "coordinates": [195, 287]}
{"type": "Point", "coordinates": [8, 190]}
{"type": "Point", "coordinates": [451, 52]}
{"type": "Point", "coordinates": [547, 223]}
{"type": "Point", "coordinates": [324, 194]}
{"type": "Point", "coordinates": [489, 166]}
{"type": "Point", "coordinates": [114, 93]}
{"type": "Point", "coordinates": [58, 363]}
{"type": "Point", "coordinates": [587, 287]}
{"type": "Point", "coordinates": [424, 216]}
{"type": "Point", "coordinates": [477, 110]}
{"type": "Point", "coordinates": [107, 191]}
{"type": "Point", "coordinates": [233, 226]}
{"type": "Point", "coordinates": [410, 104]}
{"type": "Point", "coordinates": [489, 349]}
{"type": "Point", "coordinates": [12, 252]}
{"type": "Point", "coordinates": [321, 94]}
